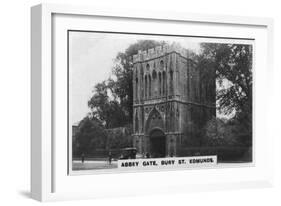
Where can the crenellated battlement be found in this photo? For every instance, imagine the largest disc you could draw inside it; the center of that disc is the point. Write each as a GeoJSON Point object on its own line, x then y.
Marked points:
{"type": "Point", "coordinates": [158, 52]}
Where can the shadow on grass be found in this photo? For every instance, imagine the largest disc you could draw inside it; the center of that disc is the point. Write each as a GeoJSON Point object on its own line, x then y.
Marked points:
{"type": "Point", "coordinates": [25, 193]}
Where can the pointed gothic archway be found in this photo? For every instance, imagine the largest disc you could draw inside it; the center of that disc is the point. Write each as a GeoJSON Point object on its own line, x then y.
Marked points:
{"type": "Point", "coordinates": [157, 143]}
{"type": "Point", "coordinates": [155, 132]}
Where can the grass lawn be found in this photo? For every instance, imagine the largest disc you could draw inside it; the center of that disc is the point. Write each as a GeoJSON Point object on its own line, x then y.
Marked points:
{"type": "Point", "coordinates": [90, 165]}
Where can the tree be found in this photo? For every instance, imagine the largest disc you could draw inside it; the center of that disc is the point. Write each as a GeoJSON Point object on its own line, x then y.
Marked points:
{"type": "Point", "coordinates": [221, 132]}
{"type": "Point", "coordinates": [233, 66]}
{"type": "Point", "coordinates": [107, 111]}
{"type": "Point", "coordinates": [119, 138]}
{"type": "Point", "coordinates": [91, 135]}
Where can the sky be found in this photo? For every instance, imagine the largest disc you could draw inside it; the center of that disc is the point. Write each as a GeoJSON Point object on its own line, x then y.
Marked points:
{"type": "Point", "coordinates": [91, 58]}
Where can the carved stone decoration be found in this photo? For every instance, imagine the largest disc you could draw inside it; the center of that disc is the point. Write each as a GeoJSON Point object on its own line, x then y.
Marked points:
{"type": "Point", "coordinates": [147, 109]}
{"type": "Point", "coordinates": [154, 121]}
{"type": "Point", "coordinates": [157, 107]}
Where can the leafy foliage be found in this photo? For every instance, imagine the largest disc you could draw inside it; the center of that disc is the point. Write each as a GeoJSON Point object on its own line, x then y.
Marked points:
{"type": "Point", "coordinates": [233, 66]}
{"type": "Point", "coordinates": [119, 138]}
{"type": "Point", "coordinates": [93, 137]}
{"type": "Point", "coordinates": [107, 111]}
{"type": "Point", "coordinates": [90, 136]}
{"type": "Point", "coordinates": [223, 132]}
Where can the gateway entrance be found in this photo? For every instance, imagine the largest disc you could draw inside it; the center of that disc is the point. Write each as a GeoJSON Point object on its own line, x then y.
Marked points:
{"type": "Point", "coordinates": [157, 144]}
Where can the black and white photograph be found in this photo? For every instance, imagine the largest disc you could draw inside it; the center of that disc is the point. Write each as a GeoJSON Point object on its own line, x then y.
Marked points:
{"type": "Point", "coordinates": [156, 101]}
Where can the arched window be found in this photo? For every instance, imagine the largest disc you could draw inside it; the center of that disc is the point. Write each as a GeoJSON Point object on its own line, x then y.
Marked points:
{"type": "Point", "coordinates": [142, 119]}
{"type": "Point", "coordinates": [164, 83]}
{"type": "Point", "coordinates": [136, 123]}
{"type": "Point", "coordinates": [149, 87]}
{"type": "Point", "coordinates": [147, 67]}
{"type": "Point", "coordinates": [160, 84]}
{"type": "Point", "coordinates": [171, 82]}
{"type": "Point", "coordinates": [171, 75]}
{"type": "Point", "coordinates": [141, 82]}
{"type": "Point", "coordinates": [154, 75]}
{"type": "Point", "coordinates": [154, 83]}
{"type": "Point", "coordinates": [137, 88]}
{"type": "Point", "coordinates": [161, 64]}
{"type": "Point", "coordinates": [145, 87]}
{"type": "Point", "coordinates": [142, 87]}
{"type": "Point", "coordinates": [141, 69]}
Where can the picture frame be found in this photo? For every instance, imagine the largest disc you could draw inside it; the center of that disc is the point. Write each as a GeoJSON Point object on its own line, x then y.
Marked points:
{"type": "Point", "coordinates": [50, 179]}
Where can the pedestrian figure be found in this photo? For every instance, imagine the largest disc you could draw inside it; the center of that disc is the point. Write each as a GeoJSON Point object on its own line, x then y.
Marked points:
{"type": "Point", "coordinates": [82, 157]}
{"type": "Point", "coordinates": [172, 154]}
{"type": "Point", "coordinates": [147, 155]}
{"type": "Point", "coordinates": [109, 157]}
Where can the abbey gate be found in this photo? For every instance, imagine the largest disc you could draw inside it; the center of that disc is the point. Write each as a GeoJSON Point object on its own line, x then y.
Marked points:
{"type": "Point", "coordinates": [173, 99]}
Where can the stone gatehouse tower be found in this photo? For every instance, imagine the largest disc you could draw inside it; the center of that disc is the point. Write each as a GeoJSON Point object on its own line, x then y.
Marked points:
{"type": "Point", "coordinates": [173, 99]}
